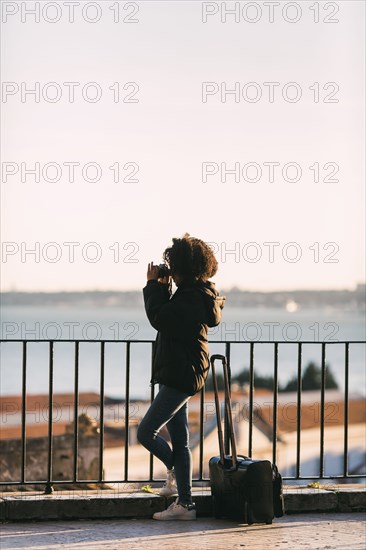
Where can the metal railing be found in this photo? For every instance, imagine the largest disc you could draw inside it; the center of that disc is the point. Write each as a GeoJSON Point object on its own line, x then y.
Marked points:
{"type": "Point", "coordinates": [49, 481]}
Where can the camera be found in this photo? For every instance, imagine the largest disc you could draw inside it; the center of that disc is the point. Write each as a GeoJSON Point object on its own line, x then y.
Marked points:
{"type": "Point", "coordinates": [163, 271]}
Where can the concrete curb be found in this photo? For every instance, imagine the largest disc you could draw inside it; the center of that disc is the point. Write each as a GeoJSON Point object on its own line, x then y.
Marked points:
{"type": "Point", "coordinates": [107, 504]}
{"type": "Point", "coordinates": [332, 499]}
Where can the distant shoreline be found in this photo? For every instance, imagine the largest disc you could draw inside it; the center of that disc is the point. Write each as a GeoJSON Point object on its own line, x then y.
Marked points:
{"type": "Point", "coordinates": [343, 299]}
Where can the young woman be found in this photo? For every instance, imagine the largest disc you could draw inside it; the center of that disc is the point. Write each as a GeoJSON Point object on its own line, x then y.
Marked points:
{"type": "Point", "coordinates": [180, 359]}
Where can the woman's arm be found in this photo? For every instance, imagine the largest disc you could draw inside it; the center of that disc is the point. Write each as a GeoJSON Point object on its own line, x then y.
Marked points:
{"type": "Point", "coordinates": [156, 293]}
{"type": "Point", "coordinates": [179, 316]}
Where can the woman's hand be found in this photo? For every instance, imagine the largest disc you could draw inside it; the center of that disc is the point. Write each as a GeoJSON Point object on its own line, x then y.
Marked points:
{"type": "Point", "coordinates": [152, 274]}
{"type": "Point", "coordinates": [152, 271]}
{"type": "Point", "coordinates": [164, 280]}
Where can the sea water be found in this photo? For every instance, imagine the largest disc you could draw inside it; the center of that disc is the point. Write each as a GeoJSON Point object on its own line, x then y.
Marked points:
{"type": "Point", "coordinates": [239, 325]}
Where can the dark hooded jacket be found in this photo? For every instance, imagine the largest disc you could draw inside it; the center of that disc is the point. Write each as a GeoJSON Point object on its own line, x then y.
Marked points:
{"type": "Point", "coordinates": [180, 352]}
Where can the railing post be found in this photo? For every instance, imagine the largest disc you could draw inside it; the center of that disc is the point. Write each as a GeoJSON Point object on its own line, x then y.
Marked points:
{"type": "Point", "coordinates": [251, 391]}
{"type": "Point", "coordinates": [226, 420]}
{"type": "Point", "coordinates": [322, 416]}
{"type": "Point", "coordinates": [76, 412]}
{"type": "Point", "coordinates": [201, 428]}
{"type": "Point", "coordinates": [127, 409]}
{"type": "Point", "coordinates": [152, 397]}
{"type": "Point", "coordinates": [24, 397]}
{"type": "Point", "coordinates": [346, 404]}
{"type": "Point", "coordinates": [101, 411]}
{"type": "Point", "coordinates": [49, 488]}
{"type": "Point", "coordinates": [298, 411]}
{"type": "Point", "coordinates": [275, 400]}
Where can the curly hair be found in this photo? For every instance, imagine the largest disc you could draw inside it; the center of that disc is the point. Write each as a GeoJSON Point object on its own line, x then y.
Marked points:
{"type": "Point", "coordinates": [191, 258]}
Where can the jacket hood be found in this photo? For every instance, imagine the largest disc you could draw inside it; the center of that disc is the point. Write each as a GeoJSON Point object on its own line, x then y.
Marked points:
{"type": "Point", "coordinates": [214, 303]}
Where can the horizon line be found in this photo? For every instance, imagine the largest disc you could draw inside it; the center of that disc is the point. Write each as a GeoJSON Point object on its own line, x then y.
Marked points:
{"type": "Point", "coordinates": [139, 289]}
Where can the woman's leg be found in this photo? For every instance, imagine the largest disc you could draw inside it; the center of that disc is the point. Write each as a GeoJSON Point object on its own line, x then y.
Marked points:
{"type": "Point", "coordinates": [182, 457]}
{"type": "Point", "coordinates": [166, 404]}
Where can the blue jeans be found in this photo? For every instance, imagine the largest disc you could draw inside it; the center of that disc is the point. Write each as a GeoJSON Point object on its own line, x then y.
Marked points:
{"type": "Point", "coordinates": [170, 408]}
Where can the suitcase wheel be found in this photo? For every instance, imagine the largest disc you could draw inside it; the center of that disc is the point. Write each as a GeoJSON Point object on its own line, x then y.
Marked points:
{"type": "Point", "coordinates": [269, 522]}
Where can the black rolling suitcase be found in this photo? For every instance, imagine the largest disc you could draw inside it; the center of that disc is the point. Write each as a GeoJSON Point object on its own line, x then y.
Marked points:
{"type": "Point", "coordinates": [242, 489]}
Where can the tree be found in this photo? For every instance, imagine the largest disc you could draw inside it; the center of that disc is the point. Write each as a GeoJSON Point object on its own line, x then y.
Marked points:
{"type": "Point", "coordinates": [259, 381]}
{"type": "Point", "coordinates": [311, 379]}
{"type": "Point", "coordinates": [209, 383]}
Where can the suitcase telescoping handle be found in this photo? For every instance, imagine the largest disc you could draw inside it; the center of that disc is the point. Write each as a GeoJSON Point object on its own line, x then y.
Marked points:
{"type": "Point", "coordinates": [222, 358]}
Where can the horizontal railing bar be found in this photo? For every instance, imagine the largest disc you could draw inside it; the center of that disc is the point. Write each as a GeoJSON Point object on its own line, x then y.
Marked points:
{"type": "Point", "coordinates": [210, 341]}
{"type": "Point", "coordinates": [76, 340]}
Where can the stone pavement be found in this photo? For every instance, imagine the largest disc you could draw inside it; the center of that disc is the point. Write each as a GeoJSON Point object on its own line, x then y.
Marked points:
{"type": "Point", "coordinates": [294, 532]}
{"type": "Point", "coordinates": [132, 502]}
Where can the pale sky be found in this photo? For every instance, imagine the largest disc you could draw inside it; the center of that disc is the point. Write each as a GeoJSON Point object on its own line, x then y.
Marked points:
{"type": "Point", "coordinates": [170, 132]}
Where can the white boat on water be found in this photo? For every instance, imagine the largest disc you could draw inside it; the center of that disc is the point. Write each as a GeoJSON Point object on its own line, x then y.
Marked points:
{"type": "Point", "coordinates": [291, 306]}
